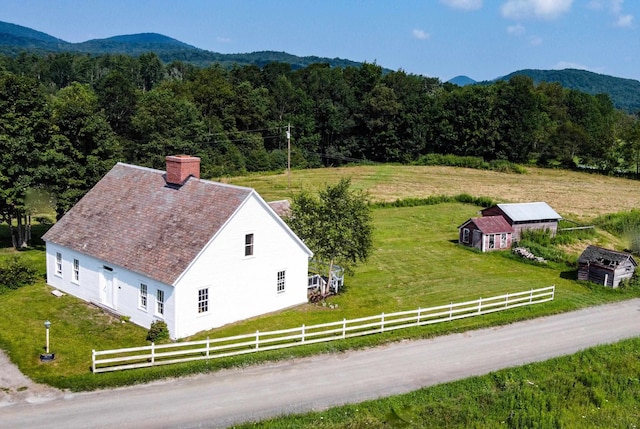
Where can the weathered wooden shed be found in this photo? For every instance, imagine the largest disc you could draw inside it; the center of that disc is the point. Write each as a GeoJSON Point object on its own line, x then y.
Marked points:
{"type": "Point", "coordinates": [604, 266]}
{"type": "Point", "coordinates": [486, 233]}
{"type": "Point", "coordinates": [521, 216]}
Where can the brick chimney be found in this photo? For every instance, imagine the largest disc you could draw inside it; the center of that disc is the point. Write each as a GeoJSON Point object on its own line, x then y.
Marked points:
{"type": "Point", "coordinates": [180, 167]}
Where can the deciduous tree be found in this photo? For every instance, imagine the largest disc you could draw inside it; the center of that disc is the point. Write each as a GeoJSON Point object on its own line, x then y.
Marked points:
{"type": "Point", "coordinates": [335, 224]}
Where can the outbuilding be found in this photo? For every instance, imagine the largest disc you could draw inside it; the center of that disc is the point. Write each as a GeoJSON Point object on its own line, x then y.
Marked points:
{"type": "Point", "coordinates": [486, 233]}
{"type": "Point", "coordinates": [523, 216]}
{"type": "Point", "coordinates": [604, 266]}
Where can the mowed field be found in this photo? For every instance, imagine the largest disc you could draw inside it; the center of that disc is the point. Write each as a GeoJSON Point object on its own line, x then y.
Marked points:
{"type": "Point", "coordinates": [576, 196]}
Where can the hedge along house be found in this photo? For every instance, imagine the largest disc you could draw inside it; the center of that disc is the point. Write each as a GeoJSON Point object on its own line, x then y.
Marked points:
{"type": "Point", "coordinates": [194, 253]}
{"type": "Point", "coordinates": [486, 233]}
{"type": "Point", "coordinates": [604, 266]}
{"type": "Point", "coordinates": [523, 216]}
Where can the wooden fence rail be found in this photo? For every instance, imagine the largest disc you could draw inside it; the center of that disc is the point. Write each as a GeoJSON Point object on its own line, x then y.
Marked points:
{"type": "Point", "coordinates": [164, 354]}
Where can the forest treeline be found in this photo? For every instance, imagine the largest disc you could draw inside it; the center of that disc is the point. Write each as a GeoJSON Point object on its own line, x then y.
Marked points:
{"type": "Point", "coordinates": [66, 118]}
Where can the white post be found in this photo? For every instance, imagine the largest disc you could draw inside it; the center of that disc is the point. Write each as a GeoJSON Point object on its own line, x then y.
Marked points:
{"type": "Point", "coordinates": [257, 340]}
{"type": "Point", "coordinates": [480, 305]}
{"type": "Point", "coordinates": [344, 327]}
{"type": "Point", "coordinates": [302, 333]}
{"type": "Point", "coordinates": [450, 310]}
{"type": "Point", "coordinates": [530, 296]}
{"type": "Point", "coordinates": [47, 346]}
{"type": "Point", "coordinates": [382, 322]}
{"type": "Point", "coordinates": [418, 322]}
{"type": "Point", "coordinates": [506, 301]}
{"type": "Point", "coordinates": [208, 346]}
{"type": "Point", "coordinates": [93, 361]}
{"type": "Point", "coordinates": [153, 355]}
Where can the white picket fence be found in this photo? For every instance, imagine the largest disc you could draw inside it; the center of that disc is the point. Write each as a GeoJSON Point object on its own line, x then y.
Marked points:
{"type": "Point", "coordinates": [211, 348]}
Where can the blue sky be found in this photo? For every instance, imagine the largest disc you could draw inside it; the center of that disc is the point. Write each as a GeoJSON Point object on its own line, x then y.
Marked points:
{"type": "Point", "coordinates": [482, 39]}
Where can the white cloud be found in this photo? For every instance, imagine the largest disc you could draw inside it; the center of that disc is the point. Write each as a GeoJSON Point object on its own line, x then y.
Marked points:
{"type": "Point", "coordinates": [463, 4]}
{"type": "Point", "coordinates": [624, 21]}
{"type": "Point", "coordinates": [615, 9]}
{"type": "Point", "coordinates": [420, 34]}
{"type": "Point", "coordinates": [546, 9]}
{"type": "Point", "coordinates": [516, 30]}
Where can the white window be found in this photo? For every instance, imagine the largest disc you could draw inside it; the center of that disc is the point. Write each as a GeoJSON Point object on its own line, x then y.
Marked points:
{"type": "Point", "coordinates": [59, 263]}
{"type": "Point", "coordinates": [203, 300]}
{"type": "Point", "coordinates": [492, 241]}
{"type": "Point", "coordinates": [465, 235]}
{"type": "Point", "coordinates": [503, 241]}
{"type": "Point", "coordinates": [143, 296]}
{"type": "Point", "coordinates": [248, 245]}
{"type": "Point", "coordinates": [280, 284]}
{"type": "Point", "coordinates": [76, 271]}
{"type": "Point", "coordinates": [160, 302]}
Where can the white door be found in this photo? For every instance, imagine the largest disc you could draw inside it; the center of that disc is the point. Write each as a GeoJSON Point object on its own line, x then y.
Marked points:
{"type": "Point", "coordinates": [106, 290]}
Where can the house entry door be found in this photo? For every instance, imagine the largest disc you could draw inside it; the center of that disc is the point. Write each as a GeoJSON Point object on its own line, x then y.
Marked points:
{"type": "Point", "coordinates": [106, 291]}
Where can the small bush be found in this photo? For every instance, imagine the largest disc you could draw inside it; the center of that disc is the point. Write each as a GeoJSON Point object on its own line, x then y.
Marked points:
{"type": "Point", "coordinates": [16, 273]}
{"type": "Point", "coordinates": [158, 331]}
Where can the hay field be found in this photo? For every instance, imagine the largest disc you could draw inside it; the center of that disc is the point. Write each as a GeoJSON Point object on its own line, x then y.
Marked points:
{"type": "Point", "coordinates": [577, 196]}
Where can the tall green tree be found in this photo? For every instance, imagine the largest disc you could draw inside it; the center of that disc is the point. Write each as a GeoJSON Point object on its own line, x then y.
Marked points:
{"type": "Point", "coordinates": [336, 225]}
{"type": "Point", "coordinates": [25, 133]}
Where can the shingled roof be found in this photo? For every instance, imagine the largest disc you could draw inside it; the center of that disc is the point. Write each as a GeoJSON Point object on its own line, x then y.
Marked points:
{"type": "Point", "coordinates": [490, 224]}
{"type": "Point", "coordinates": [605, 257]}
{"type": "Point", "coordinates": [134, 219]}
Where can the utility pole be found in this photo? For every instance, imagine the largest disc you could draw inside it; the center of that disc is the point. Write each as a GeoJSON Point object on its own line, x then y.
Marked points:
{"type": "Point", "coordinates": [289, 155]}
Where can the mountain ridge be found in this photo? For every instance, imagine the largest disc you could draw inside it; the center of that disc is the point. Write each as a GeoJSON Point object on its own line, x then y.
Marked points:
{"type": "Point", "coordinates": [14, 39]}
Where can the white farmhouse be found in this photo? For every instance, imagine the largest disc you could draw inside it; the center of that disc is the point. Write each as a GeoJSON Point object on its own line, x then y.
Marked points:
{"type": "Point", "coordinates": [170, 246]}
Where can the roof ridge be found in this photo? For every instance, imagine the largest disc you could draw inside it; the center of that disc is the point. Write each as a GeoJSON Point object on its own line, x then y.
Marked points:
{"type": "Point", "coordinates": [206, 181]}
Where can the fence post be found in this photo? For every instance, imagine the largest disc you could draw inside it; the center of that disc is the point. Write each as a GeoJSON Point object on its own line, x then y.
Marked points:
{"type": "Point", "coordinates": [303, 333]}
{"type": "Point", "coordinates": [382, 322]}
{"type": "Point", "coordinates": [506, 301]}
{"type": "Point", "coordinates": [418, 322]}
{"type": "Point", "coordinates": [450, 310]}
{"type": "Point", "coordinates": [480, 305]}
{"type": "Point", "coordinates": [530, 296]}
{"type": "Point", "coordinates": [257, 340]}
{"type": "Point", "coordinates": [208, 346]}
{"type": "Point", "coordinates": [344, 328]}
{"type": "Point", "coordinates": [553, 291]}
{"type": "Point", "coordinates": [93, 361]}
{"type": "Point", "coordinates": [153, 353]}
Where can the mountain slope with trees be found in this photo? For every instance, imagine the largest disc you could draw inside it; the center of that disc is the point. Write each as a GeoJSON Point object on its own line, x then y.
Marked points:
{"type": "Point", "coordinates": [15, 39]}
{"type": "Point", "coordinates": [625, 93]}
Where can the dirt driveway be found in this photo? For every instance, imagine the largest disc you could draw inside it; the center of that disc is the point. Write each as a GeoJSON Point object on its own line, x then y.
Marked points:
{"type": "Point", "coordinates": [16, 387]}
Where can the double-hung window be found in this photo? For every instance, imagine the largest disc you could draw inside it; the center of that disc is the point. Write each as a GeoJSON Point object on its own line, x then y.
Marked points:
{"type": "Point", "coordinates": [503, 241]}
{"type": "Point", "coordinates": [143, 296]}
{"type": "Point", "coordinates": [248, 245]}
{"type": "Point", "coordinates": [203, 300]}
{"type": "Point", "coordinates": [76, 270]}
{"type": "Point", "coordinates": [492, 241]}
{"type": "Point", "coordinates": [465, 235]}
{"type": "Point", "coordinates": [160, 302]}
{"type": "Point", "coordinates": [59, 263]}
{"type": "Point", "coordinates": [281, 281]}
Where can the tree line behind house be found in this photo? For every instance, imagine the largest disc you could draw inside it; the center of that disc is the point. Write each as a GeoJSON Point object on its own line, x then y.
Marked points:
{"type": "Point", "coordinates": [65, 119]}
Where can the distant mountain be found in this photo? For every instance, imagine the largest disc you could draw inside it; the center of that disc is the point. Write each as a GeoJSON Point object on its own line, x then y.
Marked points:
{"type": "Point", "coordinates": [15, 39]}
{"type": "Point", "coordinates": [625, 93]}
{"type": "Point", "coordinates": [462, 80]}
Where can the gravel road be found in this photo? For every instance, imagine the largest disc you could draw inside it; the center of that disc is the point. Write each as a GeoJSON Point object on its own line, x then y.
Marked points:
{"type": "Point", "coordinates": [318, 382]}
